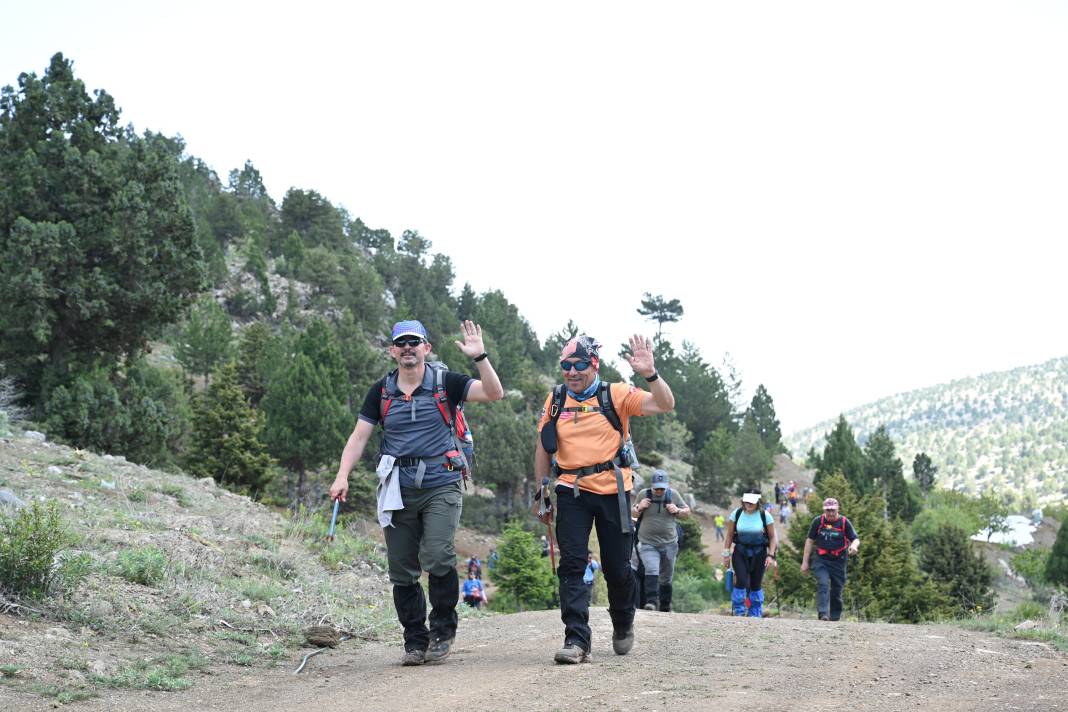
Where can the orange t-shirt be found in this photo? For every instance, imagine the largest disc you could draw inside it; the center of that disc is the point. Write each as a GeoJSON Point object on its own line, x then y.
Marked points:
{"type": "Point", "coordinates": [585, 439]}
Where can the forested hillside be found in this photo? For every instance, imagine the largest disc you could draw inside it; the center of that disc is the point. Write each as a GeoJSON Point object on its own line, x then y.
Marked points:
{"type": "Point", "coordinates": [1005, 432]}
{"type": "Point", "coordinates": [156, 310]}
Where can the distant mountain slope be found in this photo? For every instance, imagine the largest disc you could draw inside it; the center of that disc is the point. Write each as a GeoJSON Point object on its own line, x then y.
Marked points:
{"type": "Point", "coordinates": [1007, 430]}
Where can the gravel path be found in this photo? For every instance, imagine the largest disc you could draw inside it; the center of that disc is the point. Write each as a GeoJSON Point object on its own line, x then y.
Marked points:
{"type": "Point", "coordinates": [680, 662]}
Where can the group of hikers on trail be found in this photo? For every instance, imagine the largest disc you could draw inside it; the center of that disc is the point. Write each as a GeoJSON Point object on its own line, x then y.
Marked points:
{"type": "Point", "coordinates": [584, 446]}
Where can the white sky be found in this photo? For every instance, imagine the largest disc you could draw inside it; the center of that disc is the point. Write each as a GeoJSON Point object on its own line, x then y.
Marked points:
{"type": "Point", "coordinates": [853, 199]}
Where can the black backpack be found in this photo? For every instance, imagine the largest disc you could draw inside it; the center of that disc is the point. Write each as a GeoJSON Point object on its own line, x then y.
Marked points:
{"type": "Point", "coordinates": [605, 408]}
{"type": "Point", "coordinates": [763, 518]}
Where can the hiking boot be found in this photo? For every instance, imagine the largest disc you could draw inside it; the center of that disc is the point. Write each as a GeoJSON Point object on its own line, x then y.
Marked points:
{"type": "Point", "coordinates": [623, 642]}
{"type": "Point", "coordinates": [571, 654]}
{"type": "Point", "coordinates": [649, 607]}
{"type": "Point", "coordinates": [413, 657]}
{"type": "Point", "coordinates": [823, 616]}
{"type": "Point", "coordinates": [439, 649]}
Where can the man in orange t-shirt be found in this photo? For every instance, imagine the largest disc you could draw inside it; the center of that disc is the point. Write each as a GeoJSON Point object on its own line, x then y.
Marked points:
{"type": "Point", "coordinates": [581, 447]}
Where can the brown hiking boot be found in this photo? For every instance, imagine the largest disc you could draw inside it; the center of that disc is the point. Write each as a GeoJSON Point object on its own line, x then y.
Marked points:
{"type": "Point", "coordinates": [623, 642]}
{"type": "Point", "coordinates": [571, 654]}
{"type": "Point", "coordinates": [413, 657]}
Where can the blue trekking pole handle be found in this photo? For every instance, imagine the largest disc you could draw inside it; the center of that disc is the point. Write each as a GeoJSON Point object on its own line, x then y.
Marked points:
{"type": "Point", "coordinates": [333, 520]}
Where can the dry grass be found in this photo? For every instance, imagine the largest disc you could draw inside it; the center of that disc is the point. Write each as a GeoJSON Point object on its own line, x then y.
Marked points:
{"type": "Point", "coordinates": [183, 574]}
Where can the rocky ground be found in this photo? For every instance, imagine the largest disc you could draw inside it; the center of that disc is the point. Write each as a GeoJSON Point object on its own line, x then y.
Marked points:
{"type": "Point", "coordinates": [680, 662]}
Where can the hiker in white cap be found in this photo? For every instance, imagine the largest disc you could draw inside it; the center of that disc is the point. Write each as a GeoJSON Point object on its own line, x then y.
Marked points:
{"type": "Point", "coordinates": [751, 531]}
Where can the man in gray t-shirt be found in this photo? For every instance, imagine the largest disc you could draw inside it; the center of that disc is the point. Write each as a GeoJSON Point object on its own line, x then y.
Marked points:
{"type": "Point", "coordinates": [657, 509]}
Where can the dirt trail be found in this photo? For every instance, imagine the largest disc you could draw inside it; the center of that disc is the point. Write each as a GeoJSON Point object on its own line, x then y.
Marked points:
{"type": "Point", "coordinates": [681, 661]}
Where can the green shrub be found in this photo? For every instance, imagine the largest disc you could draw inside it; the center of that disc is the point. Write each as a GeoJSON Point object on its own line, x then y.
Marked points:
{"type": "Point", "coordinates": [523, 577]}
{"type": "Point", "coordinates": [1031, 564]}
{"type": "Point", "coordinates": [687, 594]}
{"type": "Point", "coordinates": [143, 565]}
{"type": "Point", "coordinates": [30, 543]}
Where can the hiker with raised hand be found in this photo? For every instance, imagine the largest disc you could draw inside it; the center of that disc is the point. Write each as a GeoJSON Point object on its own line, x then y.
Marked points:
{"type": "Point", "coordinates": [584, 431]}
{"type": "Point", "coordinates": [658, 508]}
{"type": "Point", "coordinates": [751, 532]}
{"type": "Point", "coordinates": [420, 470]}
{"type": "Point", "coordinates": [834, 539]}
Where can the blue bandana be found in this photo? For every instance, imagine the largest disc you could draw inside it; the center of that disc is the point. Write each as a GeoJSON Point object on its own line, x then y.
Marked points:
{"type": "Point", "coordinates": [588, 393]}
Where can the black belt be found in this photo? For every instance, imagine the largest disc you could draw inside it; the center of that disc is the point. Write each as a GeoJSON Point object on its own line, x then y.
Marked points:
{"type": "Point", "coordinates": [408, 461]}
{"type": "Point", "coordinates": [621, 495]}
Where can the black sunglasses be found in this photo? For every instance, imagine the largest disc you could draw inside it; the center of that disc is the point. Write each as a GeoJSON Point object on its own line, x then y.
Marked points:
{"type": "Point", "coordinates": [577, 365]}
{"type": "Point", "coordinates": [403, 341]}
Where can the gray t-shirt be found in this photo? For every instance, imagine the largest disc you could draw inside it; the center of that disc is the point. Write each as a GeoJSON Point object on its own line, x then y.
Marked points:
{"type": "Point", "coordinates": [658, 525]}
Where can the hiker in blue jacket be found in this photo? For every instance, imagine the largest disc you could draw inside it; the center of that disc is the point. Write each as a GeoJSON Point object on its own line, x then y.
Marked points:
{"type": "Point", "coordinates": [420, 471]}
{"type": "Point", "coordinates": [751, 531]}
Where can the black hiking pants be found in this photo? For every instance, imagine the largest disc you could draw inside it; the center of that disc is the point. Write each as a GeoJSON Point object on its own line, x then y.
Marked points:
{"type": "Point", "coordinates": [575, 518]}
{"type": "Point", "coordinates": [749, 563]}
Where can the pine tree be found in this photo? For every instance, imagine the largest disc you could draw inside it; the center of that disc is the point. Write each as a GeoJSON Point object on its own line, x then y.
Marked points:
{"type": "Point", "coordinates": [522, 574]}
{"type": "Point", "coordinates": [924, 472]}
{"type": "Point", "coordinates": [97, 246]}
{"type": "Point", "coordinates": [1057, 565]}
{"type": "Point", "coordinates": [950, 557]}
{"type": "Point", "coordinates": [842, 454]}
{"type": "Point", "coordinates": [205, 338]}
{"type": "Point", "coordinates": [660, 310]}
{"type": "Point", "coordinates": [305, 405]}
{"type": "Point", "coordinates": [883, 468]}
{"type": "Point", "coordinates": [226, 441]}
{"type": "Point", "coordinates": [750, 461]}
{"type": "Point", "coordinates": [258, 355]}
{"type": "Point", "coordinates": [762, 412]}
{"type": "Point", "coordinates": [712, 479]}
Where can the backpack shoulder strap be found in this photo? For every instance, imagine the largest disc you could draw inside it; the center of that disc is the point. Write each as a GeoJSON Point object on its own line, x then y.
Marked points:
{"type": "Point", "coordinates": [389, 386]}
{"type": "Point", "coordinates": [608, 409]}
{"type": "Point", "coordinates": [556, 406]}
{"type": "Point", "coordinates": [737, 516]}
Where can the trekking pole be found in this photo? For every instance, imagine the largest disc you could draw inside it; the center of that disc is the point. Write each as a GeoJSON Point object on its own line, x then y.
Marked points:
{"type": "Point", "coordinates": [546, 508]}
{"type": "Point", "coordinates": [333, 521]}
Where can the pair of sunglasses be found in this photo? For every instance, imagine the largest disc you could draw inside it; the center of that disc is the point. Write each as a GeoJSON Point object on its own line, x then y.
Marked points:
{"type": "Point", "coordinates": [403, 341]}
{"type": "Point", "coordinates": [577, 365]}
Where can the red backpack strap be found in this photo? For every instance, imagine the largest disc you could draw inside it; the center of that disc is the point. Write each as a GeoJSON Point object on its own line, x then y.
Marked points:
{"type": "Point", "coordinates": [385, 398]}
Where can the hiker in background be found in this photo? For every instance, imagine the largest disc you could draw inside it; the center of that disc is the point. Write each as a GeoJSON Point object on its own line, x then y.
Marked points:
{"type": "Point", "coordinates": [420, 470]}
{"type": "Point", "coordinates": [592, 567]}
{"type": "Point", "coordinates": [494, 557]}
{"type": "Point", "coordinates": [778, 493]}
{"type": "Point", "coordinates": [544, 546]}
{"type": "Point", "coordinates": [584, 429]}
{"type": "Point", "coordinates": [474, 565]}
{"type": "Point", "coordinates": [474, 594]}
{"type": "Point", "coordinates": [793, 494]}
{"type": "Point", "coordinates": [834, 539]}
{"type": "Point", "coordinates": [719, 527]}
{"type": "Point", "coordinates": [784, 513]}
{"type": "Point", "coordinates": [658, 541]}
{"type": "Point", "coordinates": [751, 531]}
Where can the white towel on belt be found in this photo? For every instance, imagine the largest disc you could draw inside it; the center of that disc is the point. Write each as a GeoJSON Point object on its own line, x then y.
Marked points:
{"type": "Point", "coordinates": [389, 494]}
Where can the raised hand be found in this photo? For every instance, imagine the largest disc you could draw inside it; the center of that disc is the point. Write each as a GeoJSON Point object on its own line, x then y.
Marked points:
{"type": "Point", "coordinates": [641, 356]}
{"type": "Point", "coordinates": [472, 345]}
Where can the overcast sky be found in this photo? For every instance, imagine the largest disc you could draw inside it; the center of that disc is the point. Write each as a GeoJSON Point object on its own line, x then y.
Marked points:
{"type": "Point", "coordinates": [852, 199]}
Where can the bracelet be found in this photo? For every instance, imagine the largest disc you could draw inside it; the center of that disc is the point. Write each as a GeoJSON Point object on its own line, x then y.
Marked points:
{"type": "Point", "coordinates": [772, 556]}
{"type": "Point", "coordinates": [655, 376]}
{"type": "Point", "coordinates": [482, 357]}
